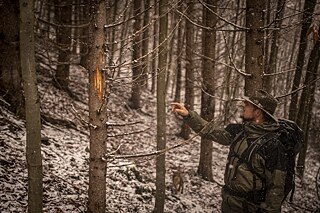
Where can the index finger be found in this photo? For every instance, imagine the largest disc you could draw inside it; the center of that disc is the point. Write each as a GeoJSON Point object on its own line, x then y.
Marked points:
{"type": "Point", "coordinates": [176, 104]}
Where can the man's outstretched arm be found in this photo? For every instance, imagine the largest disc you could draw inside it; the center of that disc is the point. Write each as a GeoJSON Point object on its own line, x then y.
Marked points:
{"type": "Point", "coordinates": [204, 128]}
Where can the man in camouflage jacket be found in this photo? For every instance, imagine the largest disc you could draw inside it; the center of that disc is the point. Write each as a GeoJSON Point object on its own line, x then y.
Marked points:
{"type": "Point", "coordinates": [254, 187]}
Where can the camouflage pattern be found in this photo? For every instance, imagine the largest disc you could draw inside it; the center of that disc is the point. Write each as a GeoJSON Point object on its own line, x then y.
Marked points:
{"type": "Point", "coordinates": [269, 163]}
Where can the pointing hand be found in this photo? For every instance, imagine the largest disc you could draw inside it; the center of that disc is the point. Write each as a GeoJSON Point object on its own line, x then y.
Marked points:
{"type": "Point", "coordinates": [179, 109]}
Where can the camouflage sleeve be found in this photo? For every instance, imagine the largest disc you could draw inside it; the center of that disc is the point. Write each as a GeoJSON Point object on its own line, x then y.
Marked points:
{"type": "Point", "coordinates": [275, 192]}
{"type": "Point", "coordinates": [276, 165]}
{"type": "Point", "coordinates": [207, 130]}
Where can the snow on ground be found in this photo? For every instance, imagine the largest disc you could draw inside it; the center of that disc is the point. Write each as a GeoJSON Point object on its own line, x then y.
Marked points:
{"type": "Point", "coordinates": [130, 184]}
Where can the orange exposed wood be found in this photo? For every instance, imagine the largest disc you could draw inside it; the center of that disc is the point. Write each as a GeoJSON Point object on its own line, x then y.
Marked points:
{"type": "Point", "coordinates": [97, 77]}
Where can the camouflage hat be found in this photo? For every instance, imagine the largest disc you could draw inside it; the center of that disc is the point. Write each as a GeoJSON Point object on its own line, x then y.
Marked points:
{"type": "Point", "coordinates": [264, 101]}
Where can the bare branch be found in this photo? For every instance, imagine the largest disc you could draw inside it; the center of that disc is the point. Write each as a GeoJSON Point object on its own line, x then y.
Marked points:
{"type": "Point", "coordinates": [298, 89]}
{"type": "Point", "coordinates": [157, 153]}
{"type": "Point", "coordinates": [219, 62]}
{"type": "Point", "coordinates": [278, 73]}
{"type": "Point", "coordinates": [223, 19]}
{"type": "Point", "coordinates": [231, 60]}
{"type": "Point", "coordinates": [129, 133]}
{"type": "Point", "coordinates": [123, 124]}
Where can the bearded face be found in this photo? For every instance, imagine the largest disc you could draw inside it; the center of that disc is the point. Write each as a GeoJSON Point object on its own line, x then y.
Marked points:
{"type": "Point", "coordinates": [248, 112]}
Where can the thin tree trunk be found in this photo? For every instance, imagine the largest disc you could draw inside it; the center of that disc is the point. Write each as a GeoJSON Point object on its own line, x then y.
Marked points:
{"type": "Point", "coordinates": [271, 67]}
{"type": "Point", "coordinates": [229, 88]}
{"type": "Point", "coordinates": [306, 102]}
{"type": "Point", "coordinates": [208, 87]}
{"type": "Point", "coordinates": [154, 61]}
{"type": "Point", "coordinates": [289, 78]}
{"type": "Point", "coordinates": [113, 34]}
{"type": "Point", "coordinates": [267, 32]}
{"type": "Point", "coordinates": [161, 107]}
{"type": "Point", "coordinates": [145, 45]}
{"type": "Point", "coordinates": [189, 92]}
{"type": "Point", "coordinates": [181, 35]}
{"type": "Point", "coordinates": [33, 125]}
{"type": "Point", "coordinates": [84, 35]}
{"type": "Point", "coordinates": [124, 31]}
{"type": "Point", "coordinates": [308, 9]}
{"type": "Point", "coordinates": [97, 111]}
{"type": "Point", "coordinates": [10, 69]}
{"type": "Point", "coordinates": [136, 57]}
{"type": "Point", "coordinates": [170, 73]}
{"type": "Point", "coordinates": [63, 12]}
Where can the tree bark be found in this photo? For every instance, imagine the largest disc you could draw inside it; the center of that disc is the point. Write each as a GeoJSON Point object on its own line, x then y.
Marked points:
{"type": "Point", "coordinates": [97, 111]}
{"type": "Point", "coordinates": [123, 34]}
{"type": "Point", "coordinates": [10, 69]}
{"type": "Point", "coordinates": [308, 9]}
{"type": "Point", "coordinates": [145, 45]}
{"type": "Point", "coordinates": [84, 35]}
{"type": "Point", "coordinates": [32, 106]}
{"type": "Point", "coordinates": [136, 56]}
{"type": "Point", "coordinates": [306, 102]}
{"type": "Point", "coordinates": [63, 10]}
{"type": "Point", "coordinates": [161, 107]}
{"type": "Point", "coordinates": [208, 85]}
{"type": "Point", "coordinates": [230, 89]}
{"type": "Point", "coordinates": [112, 33]}
{"type": "Point", "coordinates": [177, 96]}
{"type": "Point", "coordinates": [254, 45]}
{"type": "Point", "coordinates": [271, 67]}
{"type": "Point", "coordinates": [155, 39]}
{"type": "Point", "coordinates": [189, 92]}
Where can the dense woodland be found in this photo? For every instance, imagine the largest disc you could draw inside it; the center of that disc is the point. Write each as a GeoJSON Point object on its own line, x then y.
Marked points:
{"type": "Point", "coordinates": [106, 72]}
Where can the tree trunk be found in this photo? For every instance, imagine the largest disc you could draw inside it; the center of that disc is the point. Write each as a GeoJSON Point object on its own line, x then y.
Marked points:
{"type": "Point", "coordinates": [177, 96]}
{"type": "Point", "coordinates": [161, 107]}
{"type": "Point", "coordinates": [267, 32]}
{"type": "Point", "coordinates": [271, 67]}
{"type": "Point", "coordinates": [291, 52]}
{"type": "Point", "coordinates": [154, 60]}
{"type": "Point", "coordinates": [123, 34]}
{"type": "Point", "coordinates": [63, 11]}
{"type": "Point", "coordinates": [145, 45]}
{"type": "Point", "coordinates": [254, 45]}
{"type": "Point", "coordinates": [306, 102]}
{"type": "Point", "coordinates": [84, 35]}
{"type": "Point", "coordinates": [229, 88]}
{"type": "Point", "coordinates": [208, 85]}
{"type": "Point", "coordinates": [189, 92]}
{"type": "Point", "coordinates": [10, 69]}
{"type": "Point", "coordinates": [136, 56]}
{"type": "Point", "coordinates": [97, 111]}
{"type": "Point", "coordinates": [112, 36]}
{"type": "Point", "coordinates": [32, 106]}
{"type": "Point", "coordinates": [308, 9]}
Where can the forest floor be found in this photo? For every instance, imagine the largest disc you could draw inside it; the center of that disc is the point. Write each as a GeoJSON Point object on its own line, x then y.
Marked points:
{"type": "Point", "coordinates": [130, 184]}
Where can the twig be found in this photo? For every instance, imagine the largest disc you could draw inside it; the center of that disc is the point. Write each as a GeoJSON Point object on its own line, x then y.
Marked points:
{"type": "Point", "coordinates": [123, 124]}
{"type": "Point", "coordinates": [129, 133]}
{"type": "Point", "coordinates": [277, 73]}
{"type": "Point", "coordinates": [220, 62]}
{"type": "Point", "coordinates": [298, 89]}
{"type": "Point", "coordinates": [3, 101]}
{"type": "Point", "coordinates": [223, 19]}
{"type": "Point", "coordinates": [231, 60]}
{"type": "Point", "coordinates": [78, 116]}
